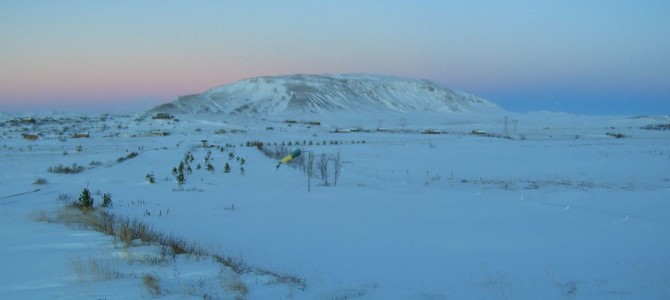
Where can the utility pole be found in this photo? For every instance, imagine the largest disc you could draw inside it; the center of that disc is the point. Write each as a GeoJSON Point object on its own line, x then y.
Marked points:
{"type": "Point", "coordinates": [505, 129]}
{"type": "Point", "coordinates": [310, 161]}
{"type": "Point", "coordinates": [515, 122]}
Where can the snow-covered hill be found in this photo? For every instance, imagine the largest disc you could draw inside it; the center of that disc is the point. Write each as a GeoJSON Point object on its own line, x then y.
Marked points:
{"type": "Point", "coordinates": [263, 96]}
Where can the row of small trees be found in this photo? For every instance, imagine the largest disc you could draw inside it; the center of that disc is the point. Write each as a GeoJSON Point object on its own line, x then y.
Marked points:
{"type": "Point", "coordinates": [299, 143]}
{"type": "Point", "coordinates": [184, 168]}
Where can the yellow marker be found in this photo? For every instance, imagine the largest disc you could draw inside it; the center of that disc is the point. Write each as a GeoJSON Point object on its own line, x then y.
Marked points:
{"type": "Point", "coordinates": [289, 157]}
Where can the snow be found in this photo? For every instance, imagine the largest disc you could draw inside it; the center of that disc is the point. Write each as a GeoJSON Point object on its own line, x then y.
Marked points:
{"type": "Point", "coordinates": [549, 207]}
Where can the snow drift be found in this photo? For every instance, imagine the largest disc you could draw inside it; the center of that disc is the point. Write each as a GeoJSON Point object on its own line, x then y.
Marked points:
{"type": "Point", "coordinates": [263, 96]}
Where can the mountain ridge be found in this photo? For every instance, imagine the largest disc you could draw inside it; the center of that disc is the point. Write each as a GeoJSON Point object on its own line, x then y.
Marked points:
{"type": "Point", "coordinates": [308, 93]}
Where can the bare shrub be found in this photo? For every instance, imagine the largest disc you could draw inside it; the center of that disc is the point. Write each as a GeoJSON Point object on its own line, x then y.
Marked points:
{"type": "Point", "coordinates": [70, 215]}
{"type": "Point", "coordinates": [130, 155]}
{"type": "Point", "coordinates": [177, 245]}
{"type": "Point", "coordinates": [617, 135]}
{"type": "Point", "coordinates": [126, 234]}
{"type": "Point", "coordinates": [238, 265]}
{"type": "Point", "coordinates": [60, 169]}
{"type": "Point", "coordinates": [159, 259]}
{"type": "Point", "coordinates": [102, 222]}
{"type": "Point", "coordinates": [95, 163]}
{"type": "Point", "coordinates": [64, 197]}
{"type": "Point", "coordinates": [128, 231]}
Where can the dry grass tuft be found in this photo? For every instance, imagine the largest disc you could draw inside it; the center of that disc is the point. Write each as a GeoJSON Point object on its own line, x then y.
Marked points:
{"type": "Point", "coordinates": [93, 270]}
{"type": "Point", "coordinates": [284, 278]}
{"type": "Point", "coordinates": [40, 216]}
{"type": "Point", "coordinates": [238, 265]}
{"type": "Point", "coordinates": [152, 283]}
{"type": "Point", "coordinates": [239, 287]}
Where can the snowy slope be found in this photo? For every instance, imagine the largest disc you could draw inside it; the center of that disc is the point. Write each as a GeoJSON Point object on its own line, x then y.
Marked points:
{"type": "Point", "coordinates": [326, 93]}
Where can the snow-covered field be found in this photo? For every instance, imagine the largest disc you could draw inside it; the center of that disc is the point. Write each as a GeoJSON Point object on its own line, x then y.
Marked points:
{"type": "Point", "coordinates": [541, 206]}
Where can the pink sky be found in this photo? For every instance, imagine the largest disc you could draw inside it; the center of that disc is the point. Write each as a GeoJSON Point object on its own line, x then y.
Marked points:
{"type": "Point", "coordinates": [97, 55]}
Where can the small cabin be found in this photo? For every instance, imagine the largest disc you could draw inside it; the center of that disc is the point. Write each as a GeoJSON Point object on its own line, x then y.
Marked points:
{"type": "Point", "coordinates": [81, 135]}
{"type": "Point", "coordinates": [158, 133]}
{"type": "Point", "coordinates": [163, 116]}
{"type": "Point", "coordinates": [30, 137]}
{"type": "Point", "coordinates": [431, 131]}
{"type": "Point", "coordinates": [27, 120]}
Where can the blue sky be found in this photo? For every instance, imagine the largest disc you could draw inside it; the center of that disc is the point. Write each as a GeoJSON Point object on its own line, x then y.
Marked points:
{"type": "Point", "coordinates": [595, 57]}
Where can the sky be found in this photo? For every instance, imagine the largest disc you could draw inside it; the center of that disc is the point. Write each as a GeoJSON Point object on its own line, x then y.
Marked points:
{"type": "Point", "coordinates": [584, 57]}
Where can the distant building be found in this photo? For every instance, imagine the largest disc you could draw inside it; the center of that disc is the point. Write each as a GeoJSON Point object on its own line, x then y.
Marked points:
{"type": "Point", "coordinates": [27, 120]}
{"type": "Point", "coordinates": [431, 131]}
{"type": "Point", "coordinates": [81, 135]}
{"type": "Point", "coordinates": [158, 133]}
{"type": "Point", "coordinates": [163, 116]}
{"type": "Point", "coordinates": [30, 137]}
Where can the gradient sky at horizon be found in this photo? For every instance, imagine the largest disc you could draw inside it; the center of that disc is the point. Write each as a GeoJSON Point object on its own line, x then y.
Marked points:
{"type": "Point", "coordinates": [592, 57]}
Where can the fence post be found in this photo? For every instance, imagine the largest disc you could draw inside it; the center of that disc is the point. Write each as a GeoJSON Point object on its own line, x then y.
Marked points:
{"type": "Point", "coordinates": [310, 160]}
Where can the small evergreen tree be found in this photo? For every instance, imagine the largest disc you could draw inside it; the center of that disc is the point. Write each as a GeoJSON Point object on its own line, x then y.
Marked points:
{"type": "Point", "coordinates": [188, 157]}
{"type": "Point", "coordinates": [226, 168]}
{"type": "Point", "coordinates": [208, 157]}
{"type": "Point", "coordinates": [106, 200]}
{"type": "Point", "coordinates": [85, 200]}
{"type": "Point", "coordinates": [179, 173]}
{"type": "Point", "coordinates": [151, 178]}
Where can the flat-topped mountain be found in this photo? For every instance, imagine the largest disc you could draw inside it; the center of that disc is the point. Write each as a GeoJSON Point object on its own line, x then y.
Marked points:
{"type": "Point", "coordinates": [273, 95]}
